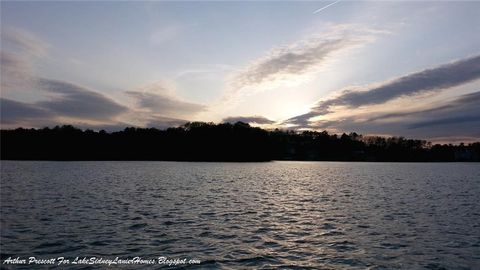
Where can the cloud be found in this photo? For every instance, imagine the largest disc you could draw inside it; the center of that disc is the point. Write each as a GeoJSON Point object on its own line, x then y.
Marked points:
{"type": "Point", "coordinates": [160, 99]}
{"type": "Point", "coordinates": [295, 61]}
{"type": "Point", "coordinates": [67, 101]}
{"type": "Point", "coordinates": [429, 80]}
{"type": "Point", "coordinates": [15, 72]}
{"type": "Point", "coordinates": [20, 49]}
{"type": "Point", "coordinates": [24, 41]}
{"type": "Point", "coordinates": [458, 117]}
{"type": "Point", "coordinates": [164, 104]}
{"type": "Point", "coordinates": [58, 101]}
{"type": "Point", "coordinates": [14, 112]}
{"type": "Point", "coordinates": [467, 102]}
{"type": "Point", "coordinates": [462, 111]}
{"type": "Point", "coordinates": [249, 119]}
{"type": "Point", "coordinates": [288, 62]}
{"type": "Point", "coordinates": [71, 100]}
{"type": "Point", "coordinates": [446, 121]}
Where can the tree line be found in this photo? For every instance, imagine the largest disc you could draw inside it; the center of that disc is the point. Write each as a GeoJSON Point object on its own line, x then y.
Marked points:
{"type": "Point", "coordinates": [199, 141]}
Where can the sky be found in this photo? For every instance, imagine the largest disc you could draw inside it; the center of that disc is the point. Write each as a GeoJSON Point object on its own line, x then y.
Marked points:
{"type": "Point", "coordinates": [402, 68]}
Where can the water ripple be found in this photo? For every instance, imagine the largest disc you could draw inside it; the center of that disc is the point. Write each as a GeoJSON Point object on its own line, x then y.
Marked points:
{"type": "Point", "coordinates": [276, 215]}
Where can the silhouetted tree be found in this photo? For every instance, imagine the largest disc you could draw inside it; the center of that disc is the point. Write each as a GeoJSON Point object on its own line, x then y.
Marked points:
{"type": "Point", "coordinates": [199, 141]}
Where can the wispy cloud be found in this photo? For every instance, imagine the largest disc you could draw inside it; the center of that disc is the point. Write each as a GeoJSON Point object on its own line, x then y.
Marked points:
{"type": "Point", "coordinates": [159, 99]}
{"type": "Point", "coordinates": [163, 104]}
{"type": "Point", "coordinates": [15, 71]}
{"type": "Point", "coordinates": [24, 41]}
{"type": "Point", "coordinates": [429, 80]}
{"type": "Point", "coordinates": [287, 63]}
{"type": "Point", "coordinates": [19, 51]}
{"type": "Point", "coordinates": [295, 63]}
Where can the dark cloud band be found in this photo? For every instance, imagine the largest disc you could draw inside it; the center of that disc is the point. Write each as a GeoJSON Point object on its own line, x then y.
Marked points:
{"type": "Point", "coordinates": [438, 78]}
{"type": "Point", "coordinates": [79, 102]}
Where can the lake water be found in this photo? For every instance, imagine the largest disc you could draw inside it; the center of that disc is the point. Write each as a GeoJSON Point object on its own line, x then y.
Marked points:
{"type": "Point", "coordinates": [275, 215]}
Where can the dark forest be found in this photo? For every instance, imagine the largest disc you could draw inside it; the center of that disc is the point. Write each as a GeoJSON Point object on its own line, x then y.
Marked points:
{"type": "Point", "coordinates": [198, 141]}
